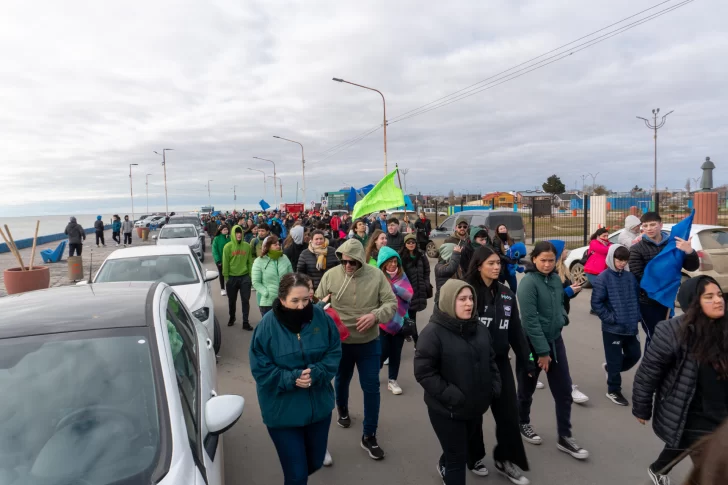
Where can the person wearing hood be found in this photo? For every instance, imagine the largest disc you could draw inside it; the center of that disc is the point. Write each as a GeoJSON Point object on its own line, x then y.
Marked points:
{"type": "Point", "coordinates": [683, 377]}
{"type": "Point", "coordinates": [460, 237]}
{"type": "Point", "coordinates": [127, 227]}
{"type": "Point", "coordinates": [456, 366]}
{"type": "Point", "coordinates": [293, 246]}
{"type": "Point", "coordinates": [479, 237]}
{"type": "Point", "coordinates": [267, 272]}
{"type": "Point", "coordinates": [76, 236]}
{"type": "Point", "coordinates": [362, 296]}
{"type": "Point", "coordinates": [631, 231]}
{"type": "Point", "coordinates": [448, 266]}
{"type": "Point", "coordinates": [237, 262]}
{"type": "Point", "coordinates": [615, 300]}
{"type": "Point", "coordinates": [116, 229]}
{"type": "Point", "coordinates": [317, 258]}
{"type": "Point", "coordinates": [541, 302]}
{"type": "Point", "coordinates": [99, 229]}
{"type": "Point", "coordinates": [222, 237]}
{"type": "Point", "coordinates": [294, 354]}
{"type": "Point", "coordinates": [390, 332]}
{"type": "Point", "coordinates": [417, 268]}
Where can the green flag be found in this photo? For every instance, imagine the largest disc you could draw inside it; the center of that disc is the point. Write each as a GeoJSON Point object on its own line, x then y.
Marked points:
{"type": "Point", "coordinates": [385, 195]}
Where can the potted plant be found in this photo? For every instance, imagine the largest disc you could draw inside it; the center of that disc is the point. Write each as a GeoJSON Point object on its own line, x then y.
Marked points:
{"type": "Point", "coordinates": [24, 278]}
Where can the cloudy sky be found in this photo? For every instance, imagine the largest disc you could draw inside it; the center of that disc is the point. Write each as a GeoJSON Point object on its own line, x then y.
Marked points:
{"type": "Point", "coordinates": [86, 88]}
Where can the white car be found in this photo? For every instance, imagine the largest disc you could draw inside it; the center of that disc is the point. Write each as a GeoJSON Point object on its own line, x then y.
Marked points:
{"type": "Point", "coordinates": [149, 220]}
{"type": "Point", "coordinates": [711, 243]}
{"type": "Point", "coordinates": [109, 383]}
{"type": "Point", "coordinates": [175, 266]}
{"type": "Point", "coordinates": [182, 234]}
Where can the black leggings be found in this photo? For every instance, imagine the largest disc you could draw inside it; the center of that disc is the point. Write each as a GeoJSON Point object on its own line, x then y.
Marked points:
{"type": "Point", "coordinates": [222, 278]}
{"type": "Point", "coordinates": [115, 235]}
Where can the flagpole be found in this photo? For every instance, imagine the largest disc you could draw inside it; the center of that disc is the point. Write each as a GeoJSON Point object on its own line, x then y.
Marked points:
{"type": "Point", "coordinates": [399, 179]}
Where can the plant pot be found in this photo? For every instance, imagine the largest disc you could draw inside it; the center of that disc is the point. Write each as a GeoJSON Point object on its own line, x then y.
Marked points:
{"type": "Point", "coordinates": [139, 232]}
{"type": "Point", "coordinates": [19, 281]}
{"type": "Point", "coordinates": [145, 234]}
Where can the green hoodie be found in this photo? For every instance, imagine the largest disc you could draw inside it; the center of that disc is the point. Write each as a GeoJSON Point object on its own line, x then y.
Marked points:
{"type": "Point", "coordinates": [237, 257]}
{"type": "Point", "coordinates": [541, 301]}
{"type": "Point", "coordinates": [366, 291]}
{"type": "Point", "coordinates": [474, 230]}
{"type": "Point", "coordinates": [217, 246]}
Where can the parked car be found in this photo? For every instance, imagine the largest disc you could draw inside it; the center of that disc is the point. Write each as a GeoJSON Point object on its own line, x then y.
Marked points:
{"type": "Point", "coordinates": [488, 218]}
{"type": "Point", "coordinates": [711, 243]}
{"type": "Point", "coordinates": [182, 234]}
{"type": "Point", "coordinates": [109, 383]}
{"type": "Point", "coordinates": [175, 265]}
{"type": "Point", "coordinates": [158, 220]}
{"type": "Point", "coordinates": [430, 210]}
{"type": "Point", "coordinates": [195, 221]}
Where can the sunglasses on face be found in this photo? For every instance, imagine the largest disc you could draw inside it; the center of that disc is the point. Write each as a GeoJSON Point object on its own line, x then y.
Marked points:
{"type": "Point", "coordinates": [462, 226]}
{"type": "Point", "coordinates": [348, 262]}
{"type": "Point", "coordinates": [410, 242]}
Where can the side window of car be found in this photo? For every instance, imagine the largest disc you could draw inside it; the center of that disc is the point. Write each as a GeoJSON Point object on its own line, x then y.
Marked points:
{"type": "Point", "coordinates": [449, 222]}
{"type": "Point", "coordinates": [477, 221]}
{"type": "Point", "coordinates": [614, 239]}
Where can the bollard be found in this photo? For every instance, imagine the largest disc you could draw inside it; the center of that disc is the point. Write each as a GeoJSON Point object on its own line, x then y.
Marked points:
{"type": "Point", "coordinates": [145, 234]}
{"type": "Point", "coordinates": [75, 268]}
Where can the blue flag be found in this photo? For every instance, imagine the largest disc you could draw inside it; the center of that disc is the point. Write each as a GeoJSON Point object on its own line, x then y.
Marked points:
{"type": "Point", "coordinates": [263, 204]}
{"type": "Point", "coordinates": [661, 278]}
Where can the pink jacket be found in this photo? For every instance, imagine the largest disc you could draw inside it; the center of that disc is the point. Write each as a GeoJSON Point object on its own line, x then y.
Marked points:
{"type": "Point", "coordinates": [597, 262]}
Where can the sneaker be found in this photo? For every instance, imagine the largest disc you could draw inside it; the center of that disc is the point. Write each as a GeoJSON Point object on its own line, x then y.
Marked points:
{"type": "Point", "coordinates": [606, 374]}
{"type": "Point", "coordinates": [247, 326]}
{"type": "Point", "coordinates": [480, 469]}
{"type": "Point", "coordinates": [658, 479]}
{"type": "Point", "coordinates": [512, 472]}
{"type": "Point", "coordinates": [369, 443]}
{"type": "Point", "coordinates": [441, 472]}
{"type": "Point", "coordinates": [617, 398]}
{"type": "Point", "coordinates": [539, 385]}
{"type": "Point", "coordinates": [577, 396]}
{"type": "Point", "coordinates": [394, 387]}
{"type": "Point", "coordinates": [344, 420]}
{"type": "Point", "coordinates": [117, 245]}
{"type": "Point", "coordinates": [328, 461]}
{"type": "Point", "coordinates": [231, 322]}
{"type": "Point", "coordinates": [223, 293]}
{"type": "Point", "coordinates": [386, 362]}
{"type": "Point", "coordinates": [568, 445]}
{"type": "Point", "coordinates": [530, 435]}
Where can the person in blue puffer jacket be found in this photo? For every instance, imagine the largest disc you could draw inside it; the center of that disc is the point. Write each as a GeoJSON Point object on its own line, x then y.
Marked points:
{"type": "Point", "coordinates": [615, 299]}
{"type": "Point", "coordinates": [294, 355]}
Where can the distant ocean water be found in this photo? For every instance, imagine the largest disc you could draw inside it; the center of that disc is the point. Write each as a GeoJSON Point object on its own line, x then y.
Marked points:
{"type": "Point", "coordinates": [24, 227]}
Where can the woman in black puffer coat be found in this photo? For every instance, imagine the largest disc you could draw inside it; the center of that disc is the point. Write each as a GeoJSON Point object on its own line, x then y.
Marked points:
{"type": "Point", "coordinates": [686, 366]}
{"type": "Point", "coordinates": [417, 268]}
{"type": "Point", "coordinates": [317, 258]}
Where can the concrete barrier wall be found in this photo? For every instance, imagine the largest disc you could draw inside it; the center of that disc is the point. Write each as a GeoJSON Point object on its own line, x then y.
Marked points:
{"type": "Point", "coordinates": [28, 243]}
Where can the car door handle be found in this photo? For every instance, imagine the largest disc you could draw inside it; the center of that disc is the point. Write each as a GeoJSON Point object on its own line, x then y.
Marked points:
{"type": "Point", "coordinates": [209, 343]}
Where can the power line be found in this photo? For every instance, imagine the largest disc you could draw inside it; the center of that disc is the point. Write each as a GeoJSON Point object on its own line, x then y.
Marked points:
{"type": "Point", "coordinates": [350, 143]}
{"type": "Point", "coordinates": [345, 142]}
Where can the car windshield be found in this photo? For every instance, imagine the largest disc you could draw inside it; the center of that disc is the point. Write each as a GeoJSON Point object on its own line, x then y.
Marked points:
{"type": "Point", "coordinates": [714, 239]}
{"type": "Point", "coordinates": [78, 408]}
{"type": "Point", "coordinates": [512, 221]}
{"type": "Point", "coordinates": [177, 232]}
{"type": "Point", "coordinates": [185, 220]}
{"type": "Point", "coordinates": [173, 269]}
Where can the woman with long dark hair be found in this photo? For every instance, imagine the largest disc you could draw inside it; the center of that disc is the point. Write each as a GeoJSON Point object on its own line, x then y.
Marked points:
{"type": "Point", "coordinates": [597, 254]}
{"type": "Point", "coordinates": [377, 241]}
{"type": "Point", "coordinates": [684, 374]}
{"type": "Point", "coordinates": [360, 230]}
{"type": "Point", "coordinates": [502, 243]}
{"type": "Point", "coordinates": [417, 268]}
{"type": "Point", "coordinates": [317, 258]}
{"type": "Point", "coordinates": [498, 311]}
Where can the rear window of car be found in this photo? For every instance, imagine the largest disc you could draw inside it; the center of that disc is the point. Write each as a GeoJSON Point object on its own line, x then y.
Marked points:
{"type": "Point", "coordinates": [714, 239]}
{"type": "Point", "coordinates": [512, 221]}
{"type": "Point", "coordinates": [184, 220]}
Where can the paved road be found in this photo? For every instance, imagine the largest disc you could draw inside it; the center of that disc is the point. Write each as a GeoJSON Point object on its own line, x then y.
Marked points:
{"type": "Point", "coordinates": [620, 448]}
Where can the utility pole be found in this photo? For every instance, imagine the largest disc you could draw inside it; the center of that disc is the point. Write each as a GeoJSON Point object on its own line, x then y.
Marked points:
{"type": "Point", "coordinates": [404, 172]}
{"type": "Point", "coordinates": [148, 192]}
{"type": "Point", "coordinates": [594, 181]}
{"type": "Point", "coordinates": [164, 165]}
{"type": "Point", "coordinates": [303, 167]}
{"type": "Point", "coordinates": [131, 191]}
{"type": "Point", "coordinates": [583, 185]}
{"type": "Point", "coordinates": [209, 199]}
{"type": "Point", "coordinates": [655, 126]}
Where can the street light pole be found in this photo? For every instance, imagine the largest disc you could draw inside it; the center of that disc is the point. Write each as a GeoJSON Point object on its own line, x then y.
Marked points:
{"type": "Point", "coordinates": [131, 190]}
{"type": "Point", "coordinates": [235, 199]}
{"type": "Point", "coordinates": [303, 166]}
{"type": "Point", "coordinates": [405, 171]}
{"type": "Point", "coordinates": [265, 191]}
{"type": "Point", "coordinates": [209, 201]}
{"type": "Point", "coordinates": [655, 126]}
{"type": "Point", "coordinates": [274, 178]}
{"type": "Point", "coordinates": [148, 192]}
{"type": "Point", "coordinates": [384, 103]}
{"type": "Point", "coordinates": [594, 181]}
{"type": "Point", "coordinates": [164, 165]}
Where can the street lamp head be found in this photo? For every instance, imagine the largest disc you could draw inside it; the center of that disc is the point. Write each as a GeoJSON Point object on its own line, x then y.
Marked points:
{"type": "Point", "coordinates": [169, 149]}
{"type": "Point", "coordinates": [133, 164]}
{"type": "Point", "coordinates": [276, 136]}
{"type": "Point", "coordinates": [641, 118]}
{"type": "Point", "coordinates": [338, 80]}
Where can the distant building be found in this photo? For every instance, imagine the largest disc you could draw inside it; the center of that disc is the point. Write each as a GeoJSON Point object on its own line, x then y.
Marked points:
{"type": "Point", "coordinates": [563, 201]}
{"type": "Point", "coordinates": [499, 199]}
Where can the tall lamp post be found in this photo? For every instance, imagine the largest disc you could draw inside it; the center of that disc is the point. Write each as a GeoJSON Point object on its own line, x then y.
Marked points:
{"type": "Point", "coordinates": [303, 165]}
{"type": "Point", "coordinates": [235, 199]}
{"type": "Point", "coordinates": [274, 178]}
{"type": "Point", "coordinates": [131, 190]}
{"type": "Point", "coordinates": [655, 125]}
{"type": "Point", "coordinates": [209, 200]}
{"type": "Point", "coordinates": [148, 192]}
{"type": "Point", "coordinates": [384, 103]}
{"type": "Point", "coordinates": [265, 191]}
{"type": "Point", "coordinates": [164, 165]}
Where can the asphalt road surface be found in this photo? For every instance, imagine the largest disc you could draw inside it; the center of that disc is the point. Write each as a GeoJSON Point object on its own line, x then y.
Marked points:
{"type": "Point", "coordinates": [620, 448]}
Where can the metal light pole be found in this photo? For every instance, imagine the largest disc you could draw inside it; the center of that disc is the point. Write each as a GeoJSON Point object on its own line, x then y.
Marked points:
{"type": "Point", "coordinates": [235, 199]}
{"type": "Point", "coordinates": [265, 191]}
{"type": "Point", "coordinates": [164, 165]}
{"type": "Point", "coordinates": [209, 201]}
{"type": "Point", "coordinates": [655, 126]}
{"type": "Point", "coordinates": [131, 190]}
{"type": "Point", "coordinates": [148, 192]}
{"type": "Point", "coordinates": [303, 166]}
{"type": "Point", "coordinates": [280, 185]}
{"type": "Point", "coordinates": [274, 178]}
{"type": "Point", "coordinates": [405, 171]}
{"type": "Point", "coordinates": [384, 103]}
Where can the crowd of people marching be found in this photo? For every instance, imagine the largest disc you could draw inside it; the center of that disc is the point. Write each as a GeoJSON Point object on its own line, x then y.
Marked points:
{"type": "Point", "coordinates": [337, 293]}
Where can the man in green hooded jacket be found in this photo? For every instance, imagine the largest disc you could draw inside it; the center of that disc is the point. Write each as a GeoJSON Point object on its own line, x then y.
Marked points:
{"type": "Point", "coordinates": [237, 261]}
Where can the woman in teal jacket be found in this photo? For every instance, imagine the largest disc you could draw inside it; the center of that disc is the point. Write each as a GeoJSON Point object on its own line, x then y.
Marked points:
{"type": "Point", "coordinates": [267, 272]}
{"type": "Point", "coordinates": [221, 239]}
{"type": "Point", "coordinates": [294, 355]}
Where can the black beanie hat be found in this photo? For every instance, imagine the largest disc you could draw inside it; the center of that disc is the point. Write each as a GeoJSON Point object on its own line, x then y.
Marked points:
{"type": "Point", "coordinates": [689, 290]}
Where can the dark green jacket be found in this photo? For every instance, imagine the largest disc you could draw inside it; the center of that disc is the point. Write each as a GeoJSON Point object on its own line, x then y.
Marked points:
{"type": "Point", "coordinates": [541, 300]}
{"type": "Point", "coordinates": [277, 359]}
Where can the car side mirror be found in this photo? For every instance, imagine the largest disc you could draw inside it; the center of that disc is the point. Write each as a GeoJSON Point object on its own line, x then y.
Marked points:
{"type": "Point", "coordinates": [222, 412]}
{"type": "Point", "coordinates": [211, 275]}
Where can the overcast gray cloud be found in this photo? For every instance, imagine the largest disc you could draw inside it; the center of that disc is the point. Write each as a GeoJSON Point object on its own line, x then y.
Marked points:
{"type": "Point", "coordinates": [88, 87]}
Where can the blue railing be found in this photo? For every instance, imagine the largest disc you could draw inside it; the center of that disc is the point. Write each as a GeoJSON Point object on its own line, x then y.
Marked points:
{"type": "Point", "coordinates": [28, 243]}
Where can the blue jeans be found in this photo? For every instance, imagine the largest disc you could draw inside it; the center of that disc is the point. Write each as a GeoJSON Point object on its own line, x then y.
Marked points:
{"type": "Point", "coordinates": [621, 352]}
{"type": "Point", "coordinates": [301, 450]}
{"type": "Point", "coordinates": [366, 358]}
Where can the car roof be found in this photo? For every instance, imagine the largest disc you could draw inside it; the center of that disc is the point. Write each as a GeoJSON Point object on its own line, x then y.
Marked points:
{"type": "Point", "coordinates": [65, 309]}
{"type": "Point", "coordinates": [179, 225]}
{"type": "Point", "coordinates": [153, 250]}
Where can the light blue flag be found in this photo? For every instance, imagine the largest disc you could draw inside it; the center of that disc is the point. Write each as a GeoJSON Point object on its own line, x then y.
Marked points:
{"type": "Point", "coordinates": [264, 205]}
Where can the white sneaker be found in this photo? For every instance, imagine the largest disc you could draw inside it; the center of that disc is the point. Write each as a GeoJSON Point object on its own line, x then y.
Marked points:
{"type": "Point", "coordinates": [386, 362]}
{"type": "Point", "coordinates": [394, 387]}
{"type": "Point", "coordinates": [328, 461]}
{"type": "Point", "coordinates": [606, 374]}
{"type": "Point", "coordinates": [117, 245]}
{"type": "Point", "coordinates": [223, 292]}
{"type": "Point", "coordinates": [480, 469]}
{"type": "Point", "coordinates": [539, 385]}
{"type": "Point", "coordinates": [577, 396]}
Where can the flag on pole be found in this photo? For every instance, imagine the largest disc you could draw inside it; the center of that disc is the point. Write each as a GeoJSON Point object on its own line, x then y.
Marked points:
{"type": "Point", "coordinates": [661, 278]}
{"type": "Point", "coordinates": [385, 195]}
{"type": "Point", "coordinates": [263, 204]}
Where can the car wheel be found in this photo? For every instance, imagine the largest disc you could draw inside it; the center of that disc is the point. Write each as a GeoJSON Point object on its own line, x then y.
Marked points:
{"type": "Point", "coordinates": [578, 275]}
{"type": "Point", "coordinates": [217, 335]}
{"type": "Point", "coordinates": [431, 250]}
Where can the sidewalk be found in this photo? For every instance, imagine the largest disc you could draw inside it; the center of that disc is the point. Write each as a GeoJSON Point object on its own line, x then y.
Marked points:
{"type": "Point", "coordinates": [59, 271]}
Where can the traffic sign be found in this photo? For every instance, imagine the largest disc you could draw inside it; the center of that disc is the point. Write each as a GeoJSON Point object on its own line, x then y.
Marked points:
{"type": "Point", "coordinates": [313, 203]}
{"type": "Point", "coordinates": [324, 202]}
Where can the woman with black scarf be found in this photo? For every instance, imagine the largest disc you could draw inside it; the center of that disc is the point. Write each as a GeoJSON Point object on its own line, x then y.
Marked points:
{"type": "Point", "coordinates": [502, 242]}
{"type": "Point", "coordinates": [294, 355]}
